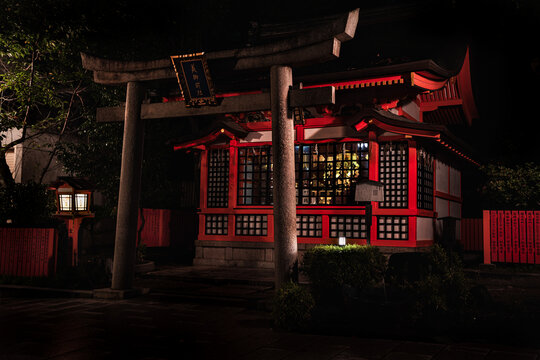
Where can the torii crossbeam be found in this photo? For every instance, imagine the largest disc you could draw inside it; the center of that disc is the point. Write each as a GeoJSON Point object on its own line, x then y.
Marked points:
{"type": "Point", "coordinates": [315, 45]}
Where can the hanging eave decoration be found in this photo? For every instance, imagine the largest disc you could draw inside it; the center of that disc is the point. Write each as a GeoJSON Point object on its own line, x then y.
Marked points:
{"type": "Point", "coordinates": [194, 79]}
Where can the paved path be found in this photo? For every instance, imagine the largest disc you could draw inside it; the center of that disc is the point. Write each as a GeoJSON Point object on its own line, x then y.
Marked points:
{"type": "Point", "coordinates": [157, 327]}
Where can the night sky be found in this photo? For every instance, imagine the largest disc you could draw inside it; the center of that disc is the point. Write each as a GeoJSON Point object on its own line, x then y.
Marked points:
{"type": "Point", "coordinates": [502, 34]}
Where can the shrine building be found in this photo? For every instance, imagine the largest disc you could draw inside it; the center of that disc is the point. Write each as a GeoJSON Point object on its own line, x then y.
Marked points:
{"type": "Point", "coordinates": [311, 112]}
{"type": "Point", "coordinates": [389, 124]}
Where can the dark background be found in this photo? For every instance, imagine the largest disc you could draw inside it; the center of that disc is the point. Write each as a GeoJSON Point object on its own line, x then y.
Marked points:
{"type": "Point", "coordinates": [503, 36]}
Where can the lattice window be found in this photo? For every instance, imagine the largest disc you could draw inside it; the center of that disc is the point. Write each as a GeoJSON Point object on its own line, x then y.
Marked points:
{"type": "Point", "coordinates": [425, 180]}
{"type": "Point", "coordinates": [309, 226]}
{"type": "Point", "coordinates": [393, 173]}
{"type": "Point", "coordinates": [252, 225]}
{"type": "Point", "coordinates": [216, 224]}
{"type": "Point", "coordinates": [351, 227]}
{"type": "Point", "coordinates": [218, 178]}
{"type": "Point", "coordinates": [255, 175]}
{"type": "Point", "coordinates": [325, 172]}
{"type": "Point", "coordinates": [393, 227]}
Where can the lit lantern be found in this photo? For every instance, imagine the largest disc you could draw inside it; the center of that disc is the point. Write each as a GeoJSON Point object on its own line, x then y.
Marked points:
{"type": "Point", "coordinates": [73, 198]}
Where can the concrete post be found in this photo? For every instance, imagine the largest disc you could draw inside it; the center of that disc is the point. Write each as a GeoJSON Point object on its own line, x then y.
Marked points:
{"type": "Point", "coordinates": [130, 187]}
{"type": "Point", "coordinates": [285, 245]}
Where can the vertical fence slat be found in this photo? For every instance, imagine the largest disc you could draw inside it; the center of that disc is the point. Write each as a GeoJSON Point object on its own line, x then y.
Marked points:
{"type": "Point", "coordinates": [472, 234]}
{"type": "Point", "coordinates": [27, 251]}
{"type": "Point", "coordinates": [530, 237]}
{"type": "Point", "coordinates": [28, 241]}
{"type": "Point", "coordinates": [156, 230]}
{"type": "Point", "coordinates": [33, 250]}
{"type": "Point", "coordinates": [507, 236]}
{"type": "Point", "coordinates": [493, 230]}
{"type": "Point", "coordinates": [522, 237]}
{"type": "Point", "coordinates": [500, 235]}
{"type": "Point", "coordinates": [9, 252]}
{"type": "Point", "coordinates": [18, 251]}
{"type": "Point", "coordinates": [537, 236]}
{"type": "Point", "coordinates": [486, 238]}
{"type": "Point", "coordinates": [515, 237]}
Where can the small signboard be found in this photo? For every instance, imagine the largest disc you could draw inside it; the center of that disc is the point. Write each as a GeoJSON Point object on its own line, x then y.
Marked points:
{"type": "Point", "coordinates": [369, 190]}
{"type": "Point", "coordinates": [194, 79]}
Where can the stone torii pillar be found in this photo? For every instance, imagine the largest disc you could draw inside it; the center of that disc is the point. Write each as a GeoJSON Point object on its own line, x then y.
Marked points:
{"type": "Point", "coordinates": [130, 189]}
{"type": "Point", "coordinates": [285, 243]}
{"type": "Point", "coordinates": [314, 44]}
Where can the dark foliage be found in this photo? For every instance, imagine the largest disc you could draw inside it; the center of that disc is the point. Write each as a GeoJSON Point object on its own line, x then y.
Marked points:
{"type": "Point", "coordinates": [293, 306]}
{"type": "Point", "coordinates": [26, 205]}
{"type": "Point", "coordinates": [334, 269]}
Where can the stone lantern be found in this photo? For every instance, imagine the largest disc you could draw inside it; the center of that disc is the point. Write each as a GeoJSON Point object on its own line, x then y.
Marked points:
{"type": "Point", "coordinates": [73, 200]}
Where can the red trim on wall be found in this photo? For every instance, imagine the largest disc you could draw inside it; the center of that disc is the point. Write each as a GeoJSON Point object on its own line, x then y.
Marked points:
{"type": "Point", "coordinates": [424, 243]}
{"type": "Point", "coordinates": [204, 140]}
{"type": "Point", "coordinates": [412, 228]}
{"type": "Point", "coordinates": [257, 126]}
{"type": "Point", "coordinates": [204, 180]}
{"type": "Point", "coordinates": [233, 173]}
{"type": "Point", "coordinates": [245, 144]}
{"type": "Point", "coordinates": [299, 129]}
{"type": "Point", "coordinates": [323, 122]}
{"type": "Point", "coordinates": [446, 196]}
{"type": "Point", "coordinates": [396, 243]}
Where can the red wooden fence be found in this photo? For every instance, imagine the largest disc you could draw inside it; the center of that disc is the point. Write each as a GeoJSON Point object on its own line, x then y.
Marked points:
{"type": "Point", "coordinates": [28, 251]}
{"type": "Point", "coordinates": [156, 230]}
{"type": "Point", "coordinates": [164, 227]}
{"type": "Point", "coordinates": [511, 236]}
{"type": "Point", "coordinates": [471, 234]}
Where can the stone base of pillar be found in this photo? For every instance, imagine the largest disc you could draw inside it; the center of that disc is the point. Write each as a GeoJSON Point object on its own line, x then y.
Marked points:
{"type": "Point", "coordinates": [110, 294]}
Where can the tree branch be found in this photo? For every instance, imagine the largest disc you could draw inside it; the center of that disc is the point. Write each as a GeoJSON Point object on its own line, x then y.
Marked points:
{"type": "Point", "coordinates": [53, 152]}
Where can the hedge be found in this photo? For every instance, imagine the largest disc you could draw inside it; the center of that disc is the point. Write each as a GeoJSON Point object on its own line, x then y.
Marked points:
{"type": "Point", "coordinates": [330, 268]}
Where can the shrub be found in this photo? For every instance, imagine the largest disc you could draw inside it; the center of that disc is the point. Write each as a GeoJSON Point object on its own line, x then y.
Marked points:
{"type": "Point", "coordinates": [433, 284]}
{"type": "Point", "coordinates": [333, 268]}
{"type": "Point", "coordinates": [293, 306]}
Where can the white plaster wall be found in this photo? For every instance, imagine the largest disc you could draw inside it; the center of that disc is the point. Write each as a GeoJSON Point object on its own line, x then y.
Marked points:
{"type": "Point", "coordinates": [412, 109]}
{"type": "Point", "coordinates": [6, 138]}
{"type": "Point", "coordinates": [424, 228]}
{"type": "Point", "coordinates": [441, 178]}
{"type": "Point", "coordinates": [329, 132]}
{"type": "Point", "coordinates": [257, 136]}
{"type": "Point", "coordinates": [455, 182]}
{"type": "Point", "coordinates": [441, 206]}
{"type": "Point", "coordinates": [10, 135]}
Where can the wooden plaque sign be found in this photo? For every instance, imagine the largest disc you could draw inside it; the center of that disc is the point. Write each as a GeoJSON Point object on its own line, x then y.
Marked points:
{"type": "Point", "coordinates": [368, 190]}
{"type": "Point", "coordinates": [194, 79]}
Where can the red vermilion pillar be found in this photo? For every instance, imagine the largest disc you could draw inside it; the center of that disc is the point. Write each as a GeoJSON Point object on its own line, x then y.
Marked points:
{"type": "Point", "coordinates": [412, 191]}
{"type": "Point", "coordinates": [130, 186]}
{"type": "Point", "coordinates": [285, 243]}
{"type": "Point", "coordinates": [373, 162]}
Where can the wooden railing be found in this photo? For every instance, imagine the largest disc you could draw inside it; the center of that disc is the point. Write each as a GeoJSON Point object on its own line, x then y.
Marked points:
{"type": "Point", "coordinates": [28, 251]}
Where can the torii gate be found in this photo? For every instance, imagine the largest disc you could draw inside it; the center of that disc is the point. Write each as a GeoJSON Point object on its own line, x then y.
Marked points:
{"type": "Point", "coordinates": [316, 45]}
